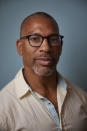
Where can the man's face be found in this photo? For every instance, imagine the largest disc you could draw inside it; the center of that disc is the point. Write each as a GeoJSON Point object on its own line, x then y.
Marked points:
{"type": "Point", "coordinates": [41, 60]}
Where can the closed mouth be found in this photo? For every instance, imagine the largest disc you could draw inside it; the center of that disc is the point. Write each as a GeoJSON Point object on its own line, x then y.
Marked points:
{"type": "Point", "coordinates": [46, 61]}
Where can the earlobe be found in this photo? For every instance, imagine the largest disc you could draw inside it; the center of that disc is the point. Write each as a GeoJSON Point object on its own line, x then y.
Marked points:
{"type": "Point", "coordinates": [19, 47]}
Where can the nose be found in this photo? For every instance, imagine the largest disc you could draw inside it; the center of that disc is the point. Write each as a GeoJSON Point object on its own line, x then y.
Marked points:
{"type": "Point", "coordinates": [45, 46]}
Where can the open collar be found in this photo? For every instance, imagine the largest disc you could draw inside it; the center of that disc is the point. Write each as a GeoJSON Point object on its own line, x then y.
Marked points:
{"type": "Point", "coordinates": [22, 88]}
{"type": "Point", "coordinates": [20, 84]}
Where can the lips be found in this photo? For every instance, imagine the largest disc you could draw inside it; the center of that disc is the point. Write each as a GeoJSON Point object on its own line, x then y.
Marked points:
{"type": "Point", "coordinates": [45, 61]}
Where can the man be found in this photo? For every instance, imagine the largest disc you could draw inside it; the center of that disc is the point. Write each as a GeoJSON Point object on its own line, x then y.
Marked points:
{"type": "Point", "coordinates": [39, 98]}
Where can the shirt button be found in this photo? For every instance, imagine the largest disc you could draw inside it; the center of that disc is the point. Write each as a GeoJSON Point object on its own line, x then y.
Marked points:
{"type": "Point", "coordinates": [49, 103]}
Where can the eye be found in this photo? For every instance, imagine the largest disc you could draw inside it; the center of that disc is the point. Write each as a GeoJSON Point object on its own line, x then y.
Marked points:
{"type": "Point", "coordinates": [35, 38]}
{"type": "Point", "coordinates": [54, 39]}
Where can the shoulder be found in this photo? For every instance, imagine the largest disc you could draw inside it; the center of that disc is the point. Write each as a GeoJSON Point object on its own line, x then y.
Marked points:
{"type": "Point", "coordinates": [7, 94]}
{"type": "Point", "coordinates": [8, 90]}
{"type": "Point", "coordinates": [76, 93]}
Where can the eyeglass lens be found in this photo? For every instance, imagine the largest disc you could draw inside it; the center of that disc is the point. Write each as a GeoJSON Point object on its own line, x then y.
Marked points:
{"type": "Point", "coordinates": [36, 40]}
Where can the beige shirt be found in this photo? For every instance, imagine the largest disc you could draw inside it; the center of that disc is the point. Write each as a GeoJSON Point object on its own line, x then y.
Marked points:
{"type": "Point", "coordinates": [22, 110]}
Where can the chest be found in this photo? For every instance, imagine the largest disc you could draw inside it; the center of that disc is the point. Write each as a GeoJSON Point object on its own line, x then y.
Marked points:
{"type": "Point", "coordinates": [31, 115]}
{"type": "Point", "coordinates": [54, 101]}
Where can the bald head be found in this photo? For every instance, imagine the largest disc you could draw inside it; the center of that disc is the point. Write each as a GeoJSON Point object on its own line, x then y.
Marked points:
{"type": "Point", "coordinates": [37, 15]}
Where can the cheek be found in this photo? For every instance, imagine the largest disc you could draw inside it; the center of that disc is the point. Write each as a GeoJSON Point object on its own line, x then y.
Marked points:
{"type": "Point", "coordinates": [28, 55]}
{"type": "Point", "coordinates": [57, 52]}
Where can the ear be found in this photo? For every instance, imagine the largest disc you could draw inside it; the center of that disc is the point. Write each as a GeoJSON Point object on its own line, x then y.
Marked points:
{"type": "Point", "coordinates": [19, 47]}
{"type": "Point", "coordinates": [61, 43]}
{"type": "Point", "coordinates": [61, 47]}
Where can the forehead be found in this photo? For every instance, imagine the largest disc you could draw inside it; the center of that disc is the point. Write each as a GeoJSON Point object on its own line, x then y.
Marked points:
{"type": "Point", "coordinates": [39, 24]}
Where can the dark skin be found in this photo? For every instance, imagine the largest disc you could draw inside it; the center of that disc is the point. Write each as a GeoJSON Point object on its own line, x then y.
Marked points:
{"type": "Point", "coordinates": [44, 85]}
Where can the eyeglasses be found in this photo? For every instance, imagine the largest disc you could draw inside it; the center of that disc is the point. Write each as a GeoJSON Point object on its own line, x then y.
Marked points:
{"type": "Point", "coordinates": [36, 40]}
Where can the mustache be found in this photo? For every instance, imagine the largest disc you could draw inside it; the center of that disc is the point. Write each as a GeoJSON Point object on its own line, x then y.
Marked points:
{"type": "Point", "coordinates": [44, 56]}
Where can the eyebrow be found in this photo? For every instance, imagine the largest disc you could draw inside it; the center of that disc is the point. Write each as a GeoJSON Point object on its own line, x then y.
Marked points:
{"type": "Point", "coordinates": [42, 35]}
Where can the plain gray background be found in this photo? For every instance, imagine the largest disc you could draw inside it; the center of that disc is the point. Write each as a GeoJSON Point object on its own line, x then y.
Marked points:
{"type": "Point", "coordinates": [71, 16]}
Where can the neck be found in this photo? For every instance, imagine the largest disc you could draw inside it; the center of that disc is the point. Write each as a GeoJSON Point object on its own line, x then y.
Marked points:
{"type": "Point", "coordinates": [44, 85]}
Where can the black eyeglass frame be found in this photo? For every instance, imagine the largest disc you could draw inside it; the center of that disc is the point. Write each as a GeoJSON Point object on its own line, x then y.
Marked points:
{"type": "Point", "coordinates": [43, 37]}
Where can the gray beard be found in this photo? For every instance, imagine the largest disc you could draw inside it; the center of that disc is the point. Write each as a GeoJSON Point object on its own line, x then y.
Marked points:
{"type": "Point", "coordinates": [39, 72]}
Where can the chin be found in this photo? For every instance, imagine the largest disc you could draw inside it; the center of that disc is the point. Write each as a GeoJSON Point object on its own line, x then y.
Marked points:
{"type": "Point", "coordinates": [44, 72]}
